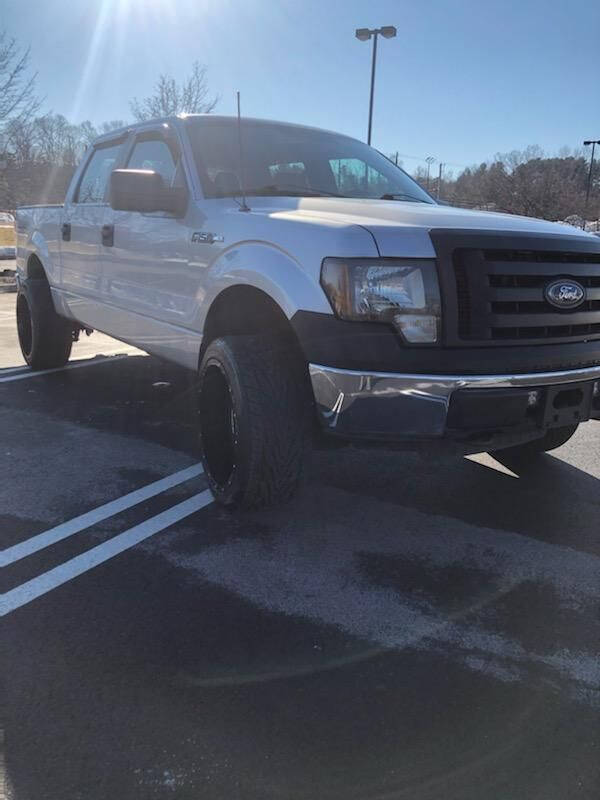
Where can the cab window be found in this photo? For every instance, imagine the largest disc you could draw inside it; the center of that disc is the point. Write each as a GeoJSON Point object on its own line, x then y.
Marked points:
{"type": "Point", "coordinates": [157, 155]}
{"type": "Point", "coordinates": [94, 181]}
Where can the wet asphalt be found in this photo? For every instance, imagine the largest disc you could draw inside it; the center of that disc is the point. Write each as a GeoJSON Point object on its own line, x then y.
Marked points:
{"type": "Point", "coordinates": [410, 626]}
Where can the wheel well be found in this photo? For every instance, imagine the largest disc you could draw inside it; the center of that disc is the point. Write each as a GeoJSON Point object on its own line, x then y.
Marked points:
{"type": "Point", "coordinates": [244, 310]}
{"type": "Point", "coordinates": [35, 268]}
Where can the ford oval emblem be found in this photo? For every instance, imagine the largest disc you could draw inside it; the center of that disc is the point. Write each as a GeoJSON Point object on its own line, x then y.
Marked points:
{"type": "Point", "coordinates": [565, 293]}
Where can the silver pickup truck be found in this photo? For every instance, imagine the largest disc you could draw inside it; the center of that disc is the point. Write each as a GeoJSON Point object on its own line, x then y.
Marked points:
{"type": "Point", "coordinates": [316, 290]}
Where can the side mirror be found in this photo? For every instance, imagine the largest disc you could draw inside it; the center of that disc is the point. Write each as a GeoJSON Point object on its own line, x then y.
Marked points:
{"type": "Point", "coordinates": [144, 190]}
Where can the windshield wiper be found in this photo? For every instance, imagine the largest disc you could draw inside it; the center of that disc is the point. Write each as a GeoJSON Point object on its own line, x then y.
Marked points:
{"type": "Point", "coordinates": [402, 196]}
{"type": "Point", "coordinates": [290, 190]}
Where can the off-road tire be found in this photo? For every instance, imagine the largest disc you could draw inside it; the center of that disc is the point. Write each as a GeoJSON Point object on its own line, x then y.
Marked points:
{"type": "Point", "coordinates": [45, 337]}
{"type": "Point", "coordinates": [254, 413]}
{"type": "Point", "coordinates": [552, 439]}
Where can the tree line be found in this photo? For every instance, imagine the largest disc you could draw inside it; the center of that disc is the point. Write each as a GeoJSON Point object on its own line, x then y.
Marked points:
{"type": "Point", "coordinates": [39, 151]}
{"type": "Point", "coordinates": [527, 182]}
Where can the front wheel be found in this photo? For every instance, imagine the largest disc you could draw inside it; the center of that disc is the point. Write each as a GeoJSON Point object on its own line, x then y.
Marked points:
{"type": "Point", "coordinates": [253, 420]}
{"type": "Point", "coordinates": [552, 439]}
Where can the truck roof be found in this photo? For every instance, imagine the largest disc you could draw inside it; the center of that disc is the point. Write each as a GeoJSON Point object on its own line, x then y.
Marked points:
{"type": "Point", "coordinates": [208, 118]}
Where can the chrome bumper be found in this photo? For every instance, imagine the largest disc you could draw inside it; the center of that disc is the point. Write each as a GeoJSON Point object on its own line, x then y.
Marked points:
{"type": "Point", "coordinates": [380, 404]}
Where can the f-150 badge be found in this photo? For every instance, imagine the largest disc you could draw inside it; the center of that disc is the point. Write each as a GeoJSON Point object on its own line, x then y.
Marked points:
{"type": "Point", "coordinates": [202, 237]}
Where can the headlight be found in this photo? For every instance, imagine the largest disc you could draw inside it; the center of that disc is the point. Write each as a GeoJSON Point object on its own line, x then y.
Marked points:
{"type": "Point", "coordinates": [404, 293]}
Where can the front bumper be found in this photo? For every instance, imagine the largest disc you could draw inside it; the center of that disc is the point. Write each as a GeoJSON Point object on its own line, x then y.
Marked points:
{"type": "Point", "coordinates": [382, 406]}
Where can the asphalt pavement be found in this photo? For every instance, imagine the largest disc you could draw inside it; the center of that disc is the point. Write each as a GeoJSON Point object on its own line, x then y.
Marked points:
{"type": "Point", "coordinates": [410, 626]}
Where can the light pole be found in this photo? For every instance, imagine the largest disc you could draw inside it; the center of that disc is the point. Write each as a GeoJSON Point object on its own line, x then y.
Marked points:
{"type": "Point", "coordinates": [439, 186]}
{"type": "Point", "coordinates": [593, 142]}
{"type": "Point", "coordinates": [364, 34]}
{"type": "Point", "coordinates": [430, 160]}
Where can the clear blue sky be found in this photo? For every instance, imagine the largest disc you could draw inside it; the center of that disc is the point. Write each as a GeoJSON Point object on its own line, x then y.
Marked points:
{"type": "Point", "coordinates": [463, 80]}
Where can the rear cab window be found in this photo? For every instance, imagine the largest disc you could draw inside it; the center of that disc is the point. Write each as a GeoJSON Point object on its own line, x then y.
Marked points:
{"type": "Point", "coordinates": [93, 184]}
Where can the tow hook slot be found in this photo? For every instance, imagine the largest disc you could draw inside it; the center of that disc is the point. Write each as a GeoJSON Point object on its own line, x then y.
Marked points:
{"type": "Point", "coordinates": [568, 398]}
{"type": "Point", "coordinates": [568, 405]}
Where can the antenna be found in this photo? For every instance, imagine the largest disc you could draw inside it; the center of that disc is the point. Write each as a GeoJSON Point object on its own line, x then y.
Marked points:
{"type": "Point", "coordinates": [244, 206]}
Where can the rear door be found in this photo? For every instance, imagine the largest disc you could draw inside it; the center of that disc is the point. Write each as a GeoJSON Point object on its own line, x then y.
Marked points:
{"type": "Point", "coordinates": [82, 245]}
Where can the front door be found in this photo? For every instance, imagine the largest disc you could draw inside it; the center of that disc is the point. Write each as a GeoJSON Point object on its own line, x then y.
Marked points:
{"type": "Point", "coordinates": [147, 272]}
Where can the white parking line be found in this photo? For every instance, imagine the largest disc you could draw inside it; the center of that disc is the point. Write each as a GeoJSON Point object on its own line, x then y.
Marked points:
{"type": "Point", "coordinates": [118, 349]}
{"type": "Point", "coordinates": [9, 370]}
{"type": "Point", "coordinates": [47, 581]}
{"type": "Point", "coordinates": [73, 365]}
{"type": "Point", "coordinates": [25, 369]}
{"type": "Point", "coordinates": [77, 524]}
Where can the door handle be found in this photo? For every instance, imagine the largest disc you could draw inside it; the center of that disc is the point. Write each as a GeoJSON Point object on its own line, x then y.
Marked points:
{"type": "Point", "coordinates": [108, 235]}
{"type": "Point", "coordinates": [65, 230]}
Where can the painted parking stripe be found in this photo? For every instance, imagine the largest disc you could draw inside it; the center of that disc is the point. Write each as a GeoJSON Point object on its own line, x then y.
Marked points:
{"type": "Point", "coordinates": [117, 349]}
{"type": "Point", "coordinates": [44, 583]}
{"type": "Point", "coordinates": [10, 370]}
{"type": "Point", "coordinates": [88, 362]}
{"type": "Point", "coordinates": [77, 524]}
{"type": "Point", "coordinates": [25, 369]}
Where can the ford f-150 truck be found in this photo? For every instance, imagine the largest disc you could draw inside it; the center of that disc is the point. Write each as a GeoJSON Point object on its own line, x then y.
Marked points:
{"type": "Point", "coordinates": [315, 289]}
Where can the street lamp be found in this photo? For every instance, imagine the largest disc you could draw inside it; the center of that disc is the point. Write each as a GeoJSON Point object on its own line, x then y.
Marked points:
{"type": "Point", "coordinates": [430, 160]}
{"type": "Point", "coordinates": [363, 35]}
{"type": "Point", "coordinates": [593, 142]}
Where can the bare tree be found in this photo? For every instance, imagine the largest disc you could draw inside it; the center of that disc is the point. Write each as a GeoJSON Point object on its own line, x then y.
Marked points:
{"type": "Point", "coordinates": [88, 132]}
{"type": "Point", "coordinates": [58, 142]}
{"type": "Point", "coordinates": [170, 97]}
{"type": "Point", "coordinates": [51, 134]}
{"type": "Point", "coordinates": [112, 125]}
{"type": "Point", "coordinates": [18, 140]}
{"type": "Point", "coordinates": [17, 96]}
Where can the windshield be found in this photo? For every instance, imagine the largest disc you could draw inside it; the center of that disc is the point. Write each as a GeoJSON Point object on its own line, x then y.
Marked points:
{"type": "Point", "coordinates": [294, 161]}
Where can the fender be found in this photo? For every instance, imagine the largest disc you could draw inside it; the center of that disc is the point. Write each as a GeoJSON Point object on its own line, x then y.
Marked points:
{"type": "Point", "coordinates": [39, 248]}
{"type": "Point", "coordinates": [268, 268]}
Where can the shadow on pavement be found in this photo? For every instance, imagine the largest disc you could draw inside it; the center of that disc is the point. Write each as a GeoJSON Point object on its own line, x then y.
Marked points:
{"type": "Point", "coordinates": [549, 499]}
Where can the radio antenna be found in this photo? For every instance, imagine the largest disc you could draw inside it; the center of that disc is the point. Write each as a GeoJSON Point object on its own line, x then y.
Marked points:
{"type": "Point", "coordinates": [244, 206]}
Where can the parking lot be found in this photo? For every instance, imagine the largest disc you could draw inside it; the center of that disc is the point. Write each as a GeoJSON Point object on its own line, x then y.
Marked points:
{"type": "Point", "coordinates": [408, 627]}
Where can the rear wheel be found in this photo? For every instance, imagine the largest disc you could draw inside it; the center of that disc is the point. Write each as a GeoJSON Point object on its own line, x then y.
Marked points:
{"type": "Point", "coordinates": [552, 439]}
{"type": "Point", "coordinates": [45, 337]}
{"type": "Point", "coordinates": [253, 420]}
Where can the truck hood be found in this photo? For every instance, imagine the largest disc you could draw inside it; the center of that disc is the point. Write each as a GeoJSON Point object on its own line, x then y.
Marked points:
{"type": "Point", "coordinates": [402, 228]}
